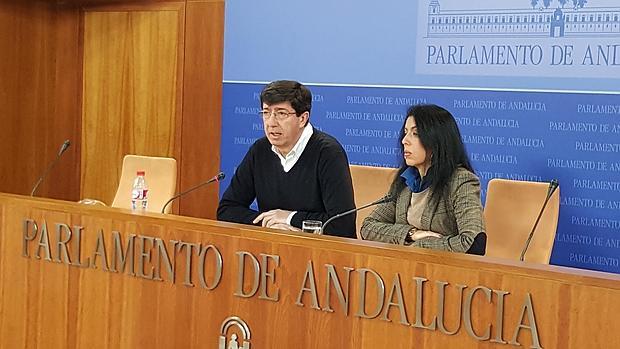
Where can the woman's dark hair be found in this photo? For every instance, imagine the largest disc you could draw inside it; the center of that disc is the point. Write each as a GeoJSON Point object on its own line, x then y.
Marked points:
{"type": "Point", "coordinates": [293, 92]}
{"type": "Point", "coordinates": [441, 138]}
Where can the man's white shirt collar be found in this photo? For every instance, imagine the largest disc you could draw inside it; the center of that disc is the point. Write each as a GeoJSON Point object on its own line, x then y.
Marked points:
{"type": "Point", "coordinates": [293, 156]}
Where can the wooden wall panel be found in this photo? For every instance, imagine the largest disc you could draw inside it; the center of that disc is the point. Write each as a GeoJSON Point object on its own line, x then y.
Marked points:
{"type": "Point", "coordinates": [202, 105]}
{"type": "Point", "coordinates": [39, 97]}
{"type": "Point", "coordinates": [131, 99]}
{"type": "Point", "coordinates": [114, 77]}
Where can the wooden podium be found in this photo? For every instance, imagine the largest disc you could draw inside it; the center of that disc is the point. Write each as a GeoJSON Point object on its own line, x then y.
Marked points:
{"type": "Point", "coordinates": [74, 276]}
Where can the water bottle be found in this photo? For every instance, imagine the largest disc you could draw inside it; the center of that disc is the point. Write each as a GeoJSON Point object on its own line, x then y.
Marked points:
{"type": "Point", "coordinates": [139, 193]}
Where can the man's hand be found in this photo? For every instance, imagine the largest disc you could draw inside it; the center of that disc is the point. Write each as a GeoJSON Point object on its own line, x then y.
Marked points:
{"type": "Point", "coordinates": [272, 217]}
{"type": "Point", "coordinates": [284, 226]}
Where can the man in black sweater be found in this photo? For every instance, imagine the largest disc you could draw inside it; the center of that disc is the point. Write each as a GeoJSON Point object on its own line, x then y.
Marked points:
{"type": "Point", "coordinates": [295, 172]}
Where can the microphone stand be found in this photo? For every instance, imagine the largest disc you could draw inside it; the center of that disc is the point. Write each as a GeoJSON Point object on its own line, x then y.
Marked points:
{"type": "Point", "coordinates": [384, 199]}
{"type": "Point", "coordinates": [217, 178]}
{"type": "Point", "coordinates": [553, 185]}
{"type": "Point", "coordinates": [63, 147]}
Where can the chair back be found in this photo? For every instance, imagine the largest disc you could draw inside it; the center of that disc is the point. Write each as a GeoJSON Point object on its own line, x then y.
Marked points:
{"type": "Point", "coordinates": [160, 176]}
{"type": "Point", "coordinates": [369, 184]}
{"type": "Point", "coordinates": [510, 213]}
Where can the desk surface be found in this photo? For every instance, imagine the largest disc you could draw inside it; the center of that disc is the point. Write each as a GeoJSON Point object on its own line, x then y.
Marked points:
{"type": "Point", "coordinates": [75, 276]}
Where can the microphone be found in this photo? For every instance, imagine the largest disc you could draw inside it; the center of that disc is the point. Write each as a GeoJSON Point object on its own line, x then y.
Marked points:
{"type": "Point", "coordinates": [65, 145]}
{"type": "Point", "coordinates": [553, 185]}
{"type": "Point", "coordinates": [387, 198]}
{"type": "Point", "coordinates": [217, 178]}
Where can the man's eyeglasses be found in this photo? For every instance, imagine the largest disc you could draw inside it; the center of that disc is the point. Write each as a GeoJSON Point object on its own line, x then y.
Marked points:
{"type": "Point", "coordinates": [280, 114]}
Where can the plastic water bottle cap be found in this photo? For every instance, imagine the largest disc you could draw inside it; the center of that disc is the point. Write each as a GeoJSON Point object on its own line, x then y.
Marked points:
{"type": "Point", "coordinates": [140, 173]}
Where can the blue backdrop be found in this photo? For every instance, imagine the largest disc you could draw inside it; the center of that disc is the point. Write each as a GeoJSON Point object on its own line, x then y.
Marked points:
{"type": "Point", "coordinates": [535, 91]}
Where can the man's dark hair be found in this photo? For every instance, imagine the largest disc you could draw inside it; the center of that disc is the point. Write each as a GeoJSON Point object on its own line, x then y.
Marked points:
{"type": "Point", "coordinates": [287, 91]}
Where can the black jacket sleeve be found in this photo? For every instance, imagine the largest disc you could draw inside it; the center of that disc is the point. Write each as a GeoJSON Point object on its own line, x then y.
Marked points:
{"type": "Point", "coordinates": [336, 191]}
{"type": "Point", "coordinates": [235, 203]}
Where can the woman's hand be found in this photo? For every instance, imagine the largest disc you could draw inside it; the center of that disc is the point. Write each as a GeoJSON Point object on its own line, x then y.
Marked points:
{"type": "Point", "coordinates": [421, 234]}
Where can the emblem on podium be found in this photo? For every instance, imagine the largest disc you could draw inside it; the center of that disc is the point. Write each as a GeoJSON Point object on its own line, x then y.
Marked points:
{"type": "Point", "coordinates": [234, 342]}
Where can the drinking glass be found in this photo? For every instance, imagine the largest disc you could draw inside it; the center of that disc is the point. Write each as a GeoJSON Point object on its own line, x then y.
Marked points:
{"type": "Point", "coordinates": [312, 227]}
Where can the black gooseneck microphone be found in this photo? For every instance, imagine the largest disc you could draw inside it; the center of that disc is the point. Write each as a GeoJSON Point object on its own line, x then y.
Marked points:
{"type": "Point", "coordinates": [553, 185]}
{"type": "Point", "coordinates": [62, 149]}
{"type": "Point", "coordinates": [217, 178]}
{"type": "Point", "coordinates": [386, 198]}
